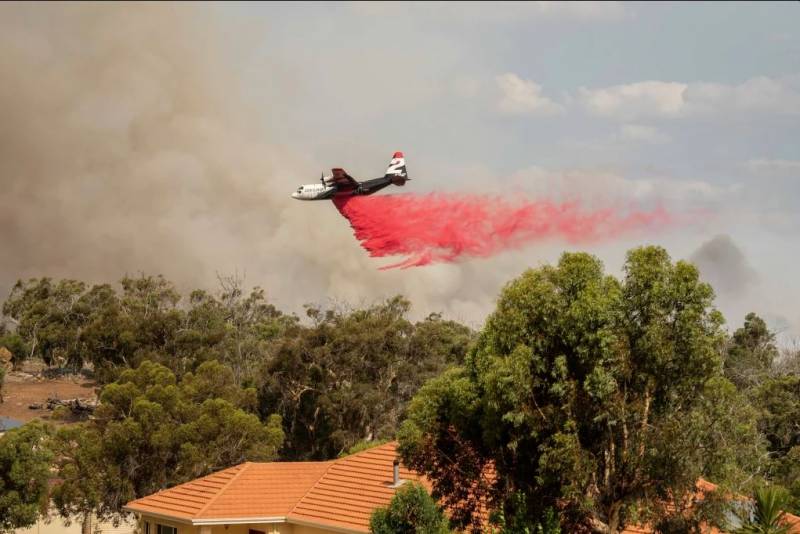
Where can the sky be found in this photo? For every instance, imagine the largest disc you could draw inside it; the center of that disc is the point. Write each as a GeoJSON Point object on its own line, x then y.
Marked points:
{"type": "Point", "coordinates": [166, 138]}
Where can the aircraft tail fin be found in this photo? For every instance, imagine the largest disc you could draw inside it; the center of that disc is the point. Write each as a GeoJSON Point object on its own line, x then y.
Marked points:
{"type": "Point", "coordinates": [397, 169]}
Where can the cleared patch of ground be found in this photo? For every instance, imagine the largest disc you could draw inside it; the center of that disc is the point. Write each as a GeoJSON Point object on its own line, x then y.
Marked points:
{"type": "Point", "coordinates": [34, 385]}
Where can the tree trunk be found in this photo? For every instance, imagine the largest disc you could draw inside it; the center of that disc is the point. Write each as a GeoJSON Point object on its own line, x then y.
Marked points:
{"type": "Point", "coordinates": [86, 524]}
{"type": "Point", "coordinates": [613, 517]}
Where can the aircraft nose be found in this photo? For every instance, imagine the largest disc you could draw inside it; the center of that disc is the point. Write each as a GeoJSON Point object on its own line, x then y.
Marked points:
{"type": "Point", "coordinates": [295, 195]}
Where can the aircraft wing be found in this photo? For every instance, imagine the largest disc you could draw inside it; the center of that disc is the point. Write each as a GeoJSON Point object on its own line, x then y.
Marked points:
{"type": "Point", "coordinates": [340, 177]}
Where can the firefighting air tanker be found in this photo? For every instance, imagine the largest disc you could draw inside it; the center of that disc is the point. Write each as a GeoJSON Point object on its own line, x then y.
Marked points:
{"type": "Point", "coordinates": [340, 184]}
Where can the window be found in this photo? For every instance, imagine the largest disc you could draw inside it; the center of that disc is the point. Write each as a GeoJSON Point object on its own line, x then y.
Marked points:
{"type": "Point", "coordinates": [146, 527]}
{"type": "Point", "coordinates": [163, 529]}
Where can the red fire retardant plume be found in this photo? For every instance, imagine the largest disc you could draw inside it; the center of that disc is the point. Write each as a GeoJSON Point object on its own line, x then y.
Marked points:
{"type": "Point", "coordinates": [444, 228]}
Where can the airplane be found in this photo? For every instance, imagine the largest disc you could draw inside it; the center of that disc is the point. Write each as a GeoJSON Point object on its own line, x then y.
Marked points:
{"type": "Point", "coordinates": [341, 184]}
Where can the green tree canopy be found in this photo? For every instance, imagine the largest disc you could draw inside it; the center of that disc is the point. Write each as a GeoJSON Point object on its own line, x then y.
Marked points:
{"type": "Point", "coordinates": [778, 400]}
{"type": "Point", "coordinates": [68, 323]}
{"type": "Point", "coordinates": [348, 376]}
{"type": "Point", "coordinates": [411, 511]}
{"type": "Point", "coordinates": [25, 460]}
{"type": "Point", "coordinates": [751, 353]}
{"type": "Point", "coordinates": [151, 431]}
{"type": "Point", "coordinates": [575, 394]}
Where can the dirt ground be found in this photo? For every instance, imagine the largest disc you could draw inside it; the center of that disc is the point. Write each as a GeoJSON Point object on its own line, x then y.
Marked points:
{"type": "Point", "coordinates": [29, 386]}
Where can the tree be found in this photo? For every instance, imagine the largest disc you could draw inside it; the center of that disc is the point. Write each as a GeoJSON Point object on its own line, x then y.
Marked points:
{"type": "Point", "coordinates": [573, 386]}
{"type": "Point", "coordinates": [751, 353]}
{"type": "Point", "coordinates": [46, 315]}
{"type": "Point", "coordinates": [411, 511]}
{"type": "Point", "coordinates": [13, 343]}
{"type": "Point", "coordinates": [145, 318]}
{"type": "Point", "coordinates": [67, 323]}
{"type": "Point", "coordinates": [151, 431]}
{"type": "Point", "coordinates": [234, 328]}
{"type": "Point", "coordinates": [767, 514]}
{"type": "Point", "coordinates": [348, 376]}
{"type": "Point", "coordinates": [778, 400]}
{"type": "Point", "coordinates": [25, 460]}
{"type": "Point", "coordinates": [520, 523]}
{"type": "Point", "coordinates": [786, 471]}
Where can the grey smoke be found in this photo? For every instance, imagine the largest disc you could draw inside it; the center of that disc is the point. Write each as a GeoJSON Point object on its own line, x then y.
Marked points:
{"type": "Point", "coordinates": [125, 148]}
{"type": "Point", "coordinates": [723, 264]}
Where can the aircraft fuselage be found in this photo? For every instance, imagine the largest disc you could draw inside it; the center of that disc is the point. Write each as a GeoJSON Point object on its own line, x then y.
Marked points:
{"type": "Point", "coordinates": [341, 184]}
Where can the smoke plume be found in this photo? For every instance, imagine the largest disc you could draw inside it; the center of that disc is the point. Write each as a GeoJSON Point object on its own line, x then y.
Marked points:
{"type": "Point", "coordinates": [130, 143]}
{"type": "Point", "coordinates": [722, 263]}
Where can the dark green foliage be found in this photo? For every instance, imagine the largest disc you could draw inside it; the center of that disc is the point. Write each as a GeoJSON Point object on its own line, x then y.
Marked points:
{"type": "Point", "coordinates": [778, 400]}
{"type": "Point", "coordinates": [786, 471]}
{"type": "Point", "coordinates": [751, 353]}
{"type": "Point", "coordinates": [520, 523]}
{"type": "Point", "coordinates": [68, 323]}
{"type": "Point", "coordinates": [589, 395]}
{"type": "Point", "coordinates": [343, 379]}
{"type": "Point", "coordinates": [16, 346]}
{"type": "Point", "coordinates": [411, 511]}
{"type": "Point", "coordinates": [348, 376]}
{"type": "Point", "coordinates": [48, 316]}
{"type": "Point", "coordinates": [25, 460]}
{"type": "Point", "coordinates": [152, 431]}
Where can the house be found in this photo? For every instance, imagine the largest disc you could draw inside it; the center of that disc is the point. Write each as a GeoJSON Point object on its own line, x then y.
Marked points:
{"type": "Point", "coordinates": [279, 497]}
{"type": "Point", "coordinates": [336, 496]}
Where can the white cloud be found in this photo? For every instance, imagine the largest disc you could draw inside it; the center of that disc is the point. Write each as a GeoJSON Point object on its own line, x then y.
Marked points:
{"type": "Point", "coordinates": [523, 97]}
{"type": "Point", "coordinates": [761, 94]}
{"type": "Point", "coordinates": [774, 166]}
{"type": "Point", "coordinates": [658, 99]}
{"type": "Point", "coordinates": [602, 186]}
{"type": "Point", "coordinates": [640, 99]}
{"type": "Point", "coordinates": [645, 134]}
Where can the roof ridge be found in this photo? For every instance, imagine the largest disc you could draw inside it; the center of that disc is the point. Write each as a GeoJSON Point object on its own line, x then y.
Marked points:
{"type": "Point", "coordinates": [314, 485]}
{"type": "Point", "coordinates": [219, 492]}
{"type": "Point", "coordinates": [332, 464]}
{"type": "Point", "coordinates": [394, 442]}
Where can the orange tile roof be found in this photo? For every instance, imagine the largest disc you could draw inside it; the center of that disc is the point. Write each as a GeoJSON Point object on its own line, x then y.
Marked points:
{"type": "Point", "coordinates": [352, 488]}
{"type": "Point", "coordinates": [248, 490]}
{"type": "Point", "coordinates": [341, 494]}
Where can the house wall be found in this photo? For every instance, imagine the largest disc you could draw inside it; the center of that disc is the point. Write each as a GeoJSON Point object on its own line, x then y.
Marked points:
{"type": "Point", "coordinates": [56, 525]}
{"type": "Point", "coordinates": [267, 528]}
{"type": "Point", "coordinates": [183, 528]}
{"type": "Point", "coordinates": [270, 528]}
{"type": "Point", "coordinates": [300, 529]}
